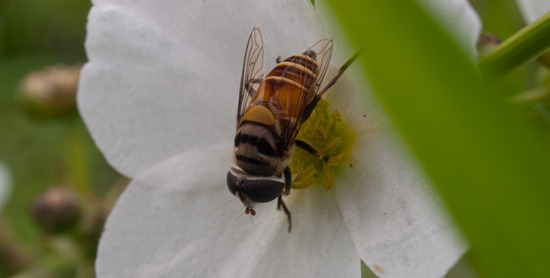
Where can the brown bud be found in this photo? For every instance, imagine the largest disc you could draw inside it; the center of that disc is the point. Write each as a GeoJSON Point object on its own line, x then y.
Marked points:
{"type": "Point", "coordinates": [56, 210]}
{"type": "Point", "coordinates": [487, 42]}
{"type": "Point", "coordinates": [51, 91]}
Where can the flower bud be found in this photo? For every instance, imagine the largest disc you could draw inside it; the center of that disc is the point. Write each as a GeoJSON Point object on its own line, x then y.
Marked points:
{"type": "Point", "coordinates": [51, 91]}
{"type": "Point", "coordinates": [56, 210]}
{"type": "Point", "coordinates": [487, 42]}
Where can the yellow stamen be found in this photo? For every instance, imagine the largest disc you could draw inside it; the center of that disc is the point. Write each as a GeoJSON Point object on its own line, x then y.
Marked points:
{"type": "Point", "coordinates": [326, 131]}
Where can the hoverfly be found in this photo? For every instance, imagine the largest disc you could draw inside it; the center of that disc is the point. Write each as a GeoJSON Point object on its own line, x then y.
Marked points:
{"type": "Point", "coordinates": [270, 113]}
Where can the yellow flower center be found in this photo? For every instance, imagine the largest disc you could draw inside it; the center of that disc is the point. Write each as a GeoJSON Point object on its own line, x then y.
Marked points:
{"type": "Point", "coordinates": [325, 131]}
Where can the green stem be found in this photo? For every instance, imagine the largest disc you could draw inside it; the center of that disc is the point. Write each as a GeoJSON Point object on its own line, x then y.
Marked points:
{"type": "Point", "coordinates": [523, 46]}
{"type": "Point", "coordinates": [77, 159]}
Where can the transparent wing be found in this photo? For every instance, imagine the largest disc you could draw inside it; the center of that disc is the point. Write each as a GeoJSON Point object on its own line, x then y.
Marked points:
{"type": "Point", "coordinates": [323, 50]}
{"type": "Point", "coordinates": [253, 69]}
{"type": "Point", "coordinates": [323, 53]}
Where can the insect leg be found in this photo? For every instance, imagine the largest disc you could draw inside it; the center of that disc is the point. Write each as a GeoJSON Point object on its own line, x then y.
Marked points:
{"type": "Point", "coordinates": [310, 149]}
{"type": "Point", "coordinates": [340, 72]}
{"type": "Point", "coordinates": [309, 108]}
{"type": "Point", "coordinates": [281, 204]}
{"type": "Point", "coordinates": [278, 60]}
{"type": "Point", "coordinates": [288, 180]}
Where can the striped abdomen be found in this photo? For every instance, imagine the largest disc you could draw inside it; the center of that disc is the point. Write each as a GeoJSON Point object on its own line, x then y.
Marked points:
{"type": "Point", "coordinates": [287, 85]}
{"type": "Point", "coordinates": [282, 96]}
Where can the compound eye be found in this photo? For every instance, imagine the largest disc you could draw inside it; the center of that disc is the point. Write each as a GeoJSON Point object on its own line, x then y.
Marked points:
{"type": "Point", "coordinates": [263, 190]}
{"type": "Point", "coordinates": [232, 182]}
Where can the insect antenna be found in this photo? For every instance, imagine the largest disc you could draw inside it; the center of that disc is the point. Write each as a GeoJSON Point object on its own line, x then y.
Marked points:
{"type": "Point", "coordinates": [237, 218]}
{"type": "Point", "coordinates": [250, 215]}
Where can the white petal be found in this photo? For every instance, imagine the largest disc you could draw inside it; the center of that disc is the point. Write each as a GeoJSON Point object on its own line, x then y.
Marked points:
{"type": "Point", "coordinates": [397, 224]}
{"type": "Point", "coordinates": [5, 184]}
{"type": "Point", "coordinates": [459, 19]}
{"type": "Point", "coordinates": [163, 77]}
{"type": "Point", "coordinates": [533, 9]}
{"type": "Point", "coordinates": [180, 220]}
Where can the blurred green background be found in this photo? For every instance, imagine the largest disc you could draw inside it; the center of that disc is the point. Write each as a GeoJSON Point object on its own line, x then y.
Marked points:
{"type": "Point", "coordinates": [46, 148]}
{"type": "Point", "coordinates": [50, 152]}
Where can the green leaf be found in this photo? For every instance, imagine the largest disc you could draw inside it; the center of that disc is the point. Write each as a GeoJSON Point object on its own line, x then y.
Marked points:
{"type": "Point", "coordinates": [487, 162]}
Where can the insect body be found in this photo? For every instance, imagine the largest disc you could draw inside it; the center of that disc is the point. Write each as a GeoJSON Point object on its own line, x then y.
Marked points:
{"type": "Point", "coordinates": [270, 112]}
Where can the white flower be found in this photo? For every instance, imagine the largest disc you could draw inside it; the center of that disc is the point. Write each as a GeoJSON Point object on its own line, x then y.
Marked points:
{"type": "Point", "coordinates": [159, 96]}
{"type": "Point", "coordinates": [533, 9]}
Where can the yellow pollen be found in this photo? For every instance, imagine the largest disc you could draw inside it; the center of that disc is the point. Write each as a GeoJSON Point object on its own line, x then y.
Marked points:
{"type": "Point", "coordinates": [326, 132]}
